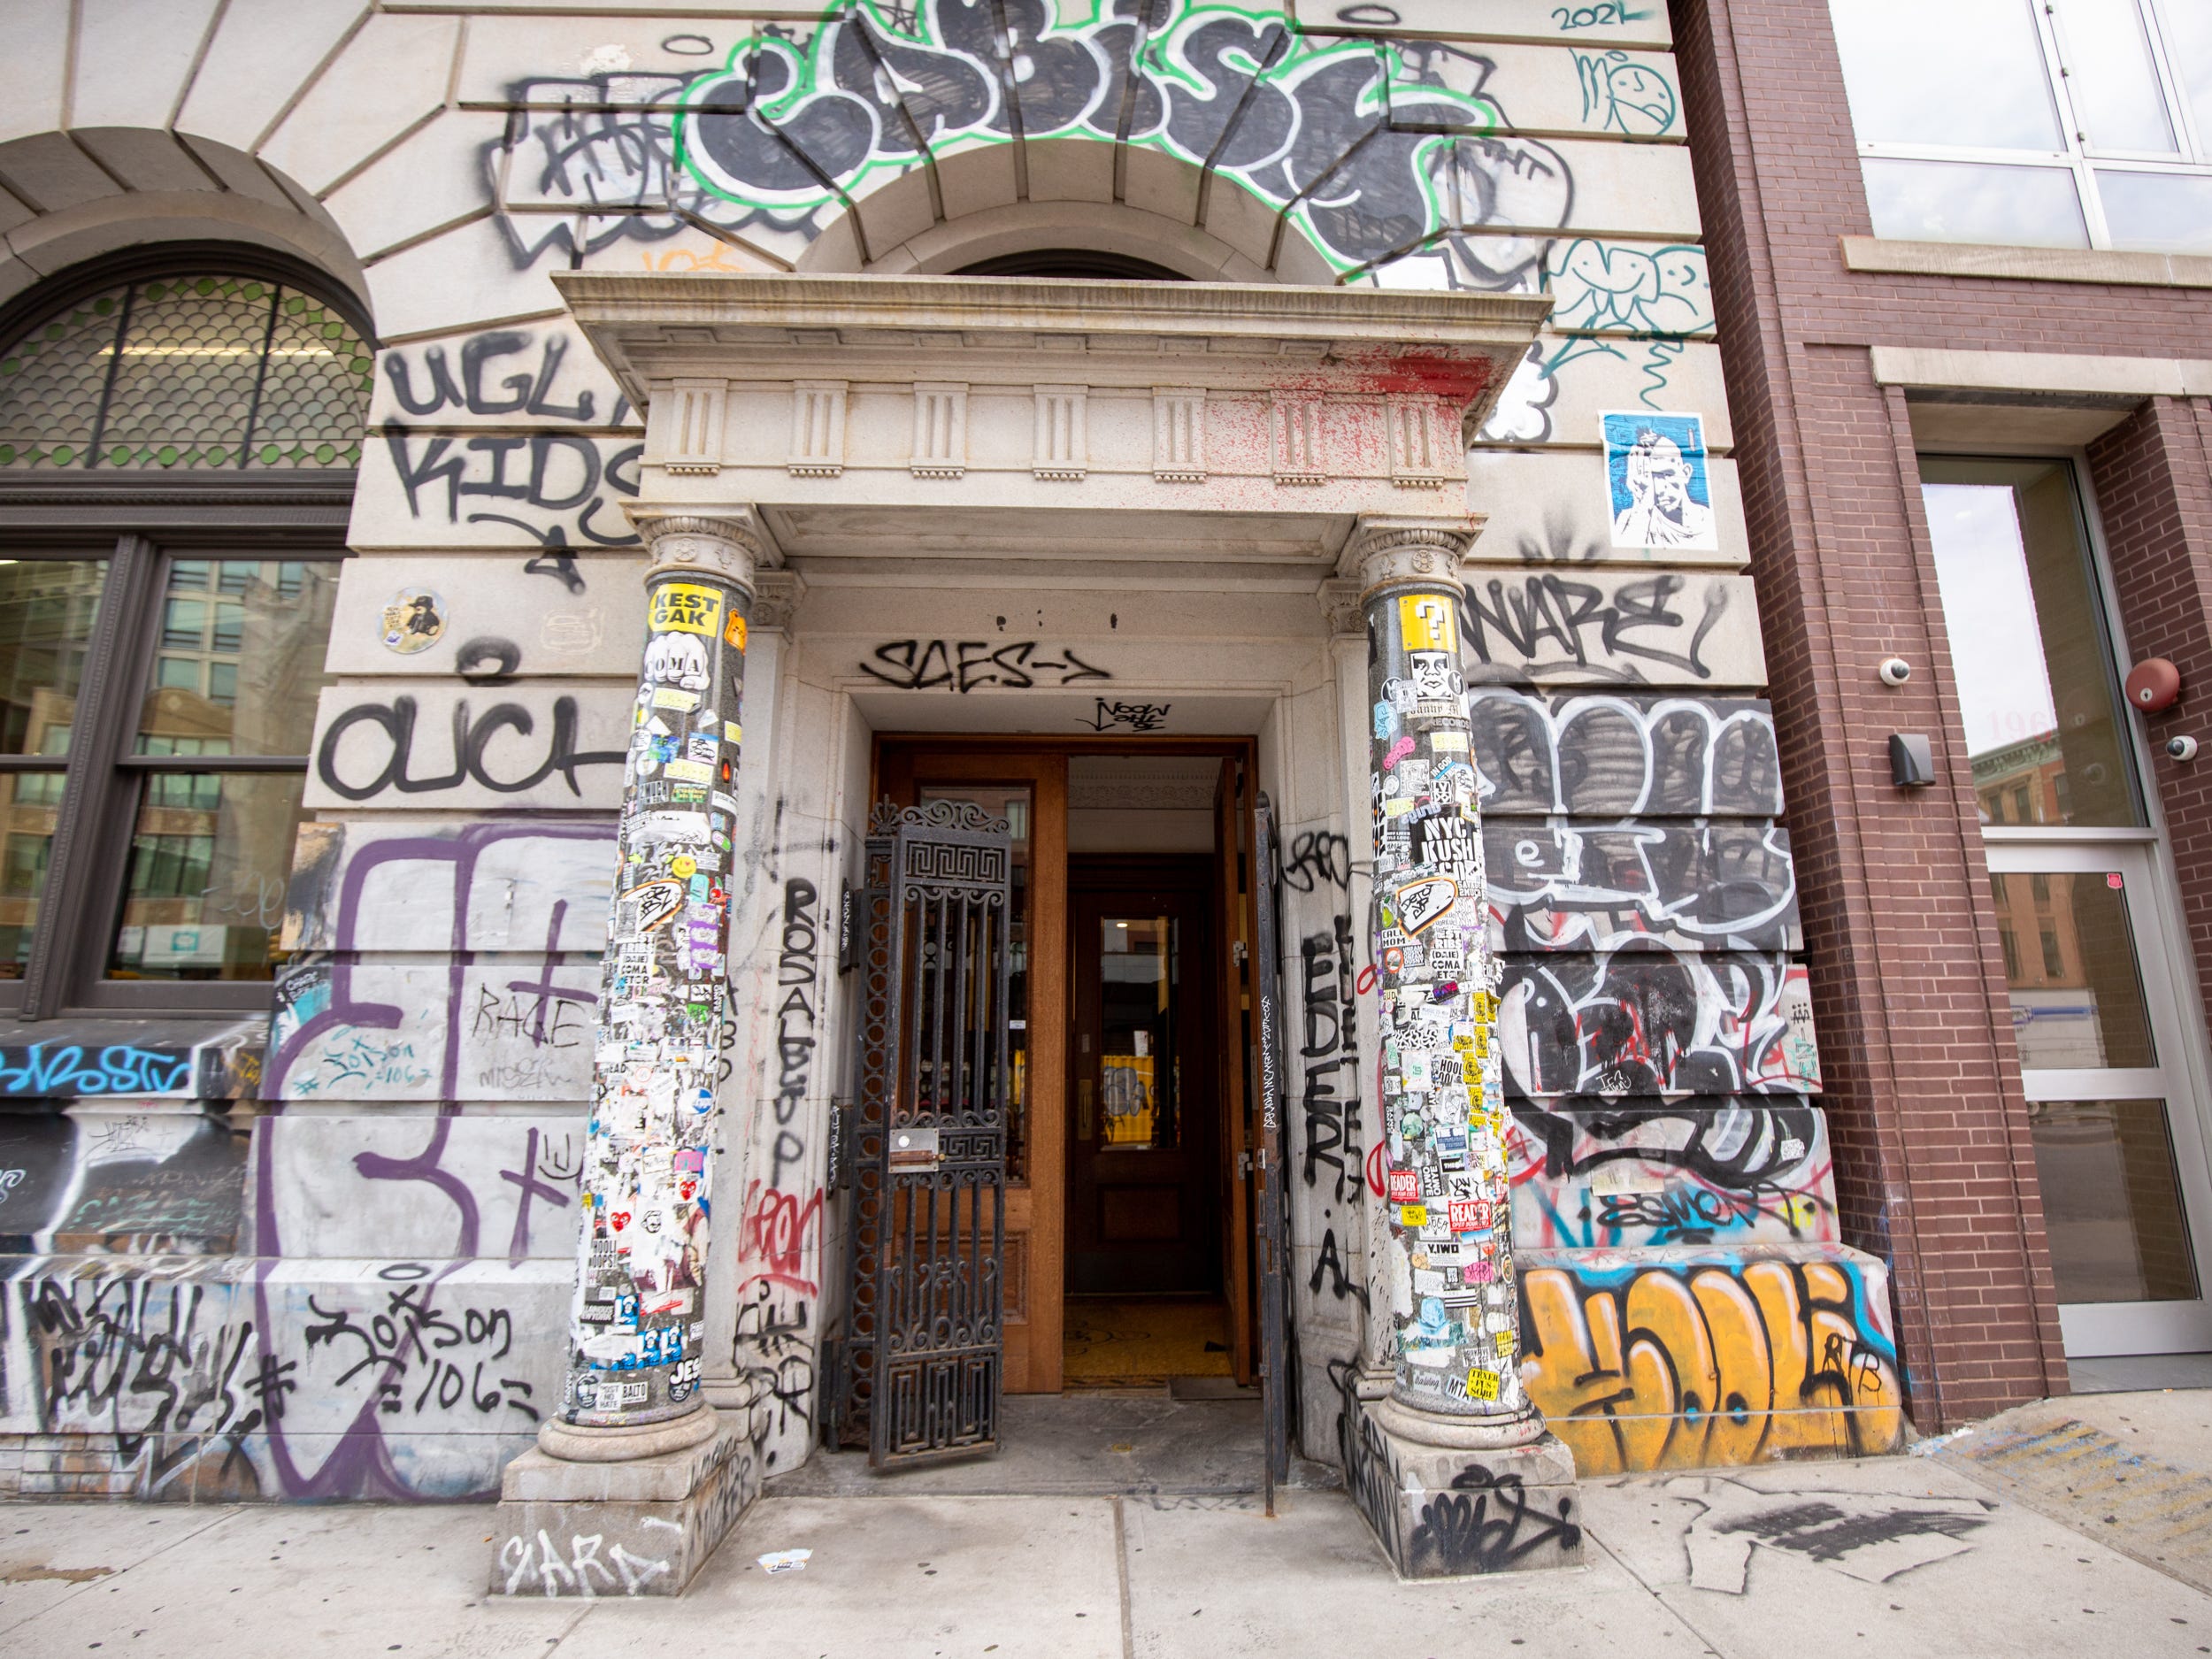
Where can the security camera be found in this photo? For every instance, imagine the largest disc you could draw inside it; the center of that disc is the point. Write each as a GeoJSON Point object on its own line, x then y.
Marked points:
{"type": "Point", "coordinates": [1895, 671]}
{"type": "Point", "coordinates": [2181, 747]}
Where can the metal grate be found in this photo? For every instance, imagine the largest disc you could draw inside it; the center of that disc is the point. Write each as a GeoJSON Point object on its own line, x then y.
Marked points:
{"type": "Point", "coordinates": [924, 1351]}
{"type": "Point", "coordinates": [186, 373]}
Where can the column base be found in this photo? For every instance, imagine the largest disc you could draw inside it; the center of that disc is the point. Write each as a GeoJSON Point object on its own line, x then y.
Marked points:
{"type": "Point", "coordinates": [643, 1526]}
{"type": "Point", "coordinates": [582, 1443]}
{"type": "Point", "coordinates": [1451, 1499]}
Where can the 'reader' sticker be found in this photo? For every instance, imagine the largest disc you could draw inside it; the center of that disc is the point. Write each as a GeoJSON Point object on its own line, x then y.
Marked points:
{"type": "Point", "coordinates": [685, 608]}
{"type": "Point", "coordinates": [1426, 619]}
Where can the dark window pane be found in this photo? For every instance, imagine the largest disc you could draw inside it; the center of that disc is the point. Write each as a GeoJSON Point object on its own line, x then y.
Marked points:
{"type": "Point", "coordinates": [2112, 1202]}
{"type": "Point", "coordinates": [238, 674]}
{"type": "Point", "coordinates": [28, 801]}
{"type": "Point", "coordinates": [46, 608]}
{"type": "Point", "coordinates": [1139, 1057]}
{"type": "Point", "coordinates": [2028, 650]}
{"type": "Point", "coordinates": [204, 893]}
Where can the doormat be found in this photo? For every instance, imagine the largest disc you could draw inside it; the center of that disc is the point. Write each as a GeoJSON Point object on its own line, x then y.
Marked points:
{"type": "Point", "coordinates": [1134, 1342]}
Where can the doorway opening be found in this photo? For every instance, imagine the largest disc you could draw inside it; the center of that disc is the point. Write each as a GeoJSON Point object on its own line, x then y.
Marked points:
{"type": "Point", "coordinates": [2093, 966]}
{"type": "Point", "coordinates": [1126, 1258]}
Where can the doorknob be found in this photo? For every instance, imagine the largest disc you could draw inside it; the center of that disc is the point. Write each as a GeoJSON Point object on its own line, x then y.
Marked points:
{"type": "Point", "coordinates": [1083, 1107]}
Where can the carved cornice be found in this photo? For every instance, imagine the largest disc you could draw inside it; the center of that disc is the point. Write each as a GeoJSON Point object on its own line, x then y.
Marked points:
{"type": "Point", "coordinates": [730, 543]}
{"type": "Point", "coordinates": [1389, 552]}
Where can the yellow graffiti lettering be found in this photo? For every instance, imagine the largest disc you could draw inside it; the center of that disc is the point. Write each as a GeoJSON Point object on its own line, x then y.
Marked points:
{"type": "Point", "coordinates": [1702, 1365]}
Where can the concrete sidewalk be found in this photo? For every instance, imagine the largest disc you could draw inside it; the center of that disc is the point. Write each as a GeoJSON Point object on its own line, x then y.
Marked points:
{"type": "Point", "coordinates": [1900, 1558]}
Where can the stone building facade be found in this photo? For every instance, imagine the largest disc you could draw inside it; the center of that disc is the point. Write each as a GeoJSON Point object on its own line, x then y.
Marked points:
{"type": "Point", "coordinates": [1065, 386]}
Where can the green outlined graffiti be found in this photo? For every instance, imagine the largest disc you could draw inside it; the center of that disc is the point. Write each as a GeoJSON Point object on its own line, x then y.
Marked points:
{"type": "Point", "coordinates": [1358, 143]}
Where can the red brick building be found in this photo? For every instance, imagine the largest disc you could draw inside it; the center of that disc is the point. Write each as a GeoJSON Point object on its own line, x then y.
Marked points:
{"type": "Point", "coordinates": [1967, 331]}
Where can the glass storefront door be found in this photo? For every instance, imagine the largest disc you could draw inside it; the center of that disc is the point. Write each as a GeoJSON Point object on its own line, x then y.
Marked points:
{"type": "Point", "coordinates": [2119, 1147]}
{"type": "Point", "coordinates": [2103, 1001]}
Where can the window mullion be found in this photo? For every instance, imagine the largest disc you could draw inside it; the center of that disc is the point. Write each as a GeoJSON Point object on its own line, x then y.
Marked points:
{"type": "Point", "coordinates": [82, 868]}
{"type": "Point", "coordinates": [107, 381]}
{"type": "Point", "coordinates": [2179, 105]}
{"type": "Point", "coordinates": [260, 376]}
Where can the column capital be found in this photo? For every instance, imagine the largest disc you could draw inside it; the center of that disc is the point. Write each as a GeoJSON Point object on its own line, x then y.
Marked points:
{"type": "Point", "coordinates": [1388, 551]}
{"type": "Point", "coordinates": [731, 543]}
{"type": "Point", "coordinates": [1339, 602]}
{"type": "Point", "coordinates": [776, 597]}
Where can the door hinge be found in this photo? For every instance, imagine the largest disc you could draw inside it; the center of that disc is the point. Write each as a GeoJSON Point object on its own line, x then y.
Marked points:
{"type": "Point", "coordinates": [1239, 952]}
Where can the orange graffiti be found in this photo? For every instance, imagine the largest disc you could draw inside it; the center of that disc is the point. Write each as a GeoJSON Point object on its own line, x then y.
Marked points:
{"type": "Point", "coordinates": [1704, 1364]}
{"type": "Point", "coordinates": [686, 261]}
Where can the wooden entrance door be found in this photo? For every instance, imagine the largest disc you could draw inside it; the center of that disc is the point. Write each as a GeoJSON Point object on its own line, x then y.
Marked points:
{"type": "Point", "coordinates": [1028, 782]}
{"type": "Point", "coordinates": [1029, 790]}
{"type": "Point", "coordinates": [1145, 1138]}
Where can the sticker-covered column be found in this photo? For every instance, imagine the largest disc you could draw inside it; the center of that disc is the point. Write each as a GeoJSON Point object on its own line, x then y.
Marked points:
{"type": "Point", "coordinates": [1446, 1240]}
{"type": "Point", "coordinates": [639, 1319]}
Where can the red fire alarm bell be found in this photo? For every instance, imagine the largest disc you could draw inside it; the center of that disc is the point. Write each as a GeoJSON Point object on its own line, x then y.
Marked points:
{"type": "Point", "coordinates": [2154, 685]}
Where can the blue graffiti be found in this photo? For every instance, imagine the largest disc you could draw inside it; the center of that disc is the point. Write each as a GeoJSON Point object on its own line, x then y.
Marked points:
{"type": "Point", "coordinates": [119, 1069]}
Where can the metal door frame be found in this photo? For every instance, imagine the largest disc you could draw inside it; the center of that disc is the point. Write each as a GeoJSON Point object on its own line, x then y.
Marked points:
{"type": "Point", "coordinates": [2095, 1329]}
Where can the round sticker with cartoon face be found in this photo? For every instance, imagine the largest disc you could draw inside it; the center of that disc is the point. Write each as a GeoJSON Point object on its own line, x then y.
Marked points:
{"type": "Point", "coordinates": [413, 621]}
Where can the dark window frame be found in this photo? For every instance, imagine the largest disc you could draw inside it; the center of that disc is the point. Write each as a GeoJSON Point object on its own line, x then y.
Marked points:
{"type": "Point", "coordinates": [138, 521]}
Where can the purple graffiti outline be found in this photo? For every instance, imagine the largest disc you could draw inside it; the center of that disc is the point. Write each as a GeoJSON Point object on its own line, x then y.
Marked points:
{"type": "Point", "coordinates": [361, 1465]}
{"type": "Point", "coordinates": [463, 852]}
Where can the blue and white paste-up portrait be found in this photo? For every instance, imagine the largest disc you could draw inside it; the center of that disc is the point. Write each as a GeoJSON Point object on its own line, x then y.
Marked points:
{"type": "Point", "coordinates": [1661, 495]}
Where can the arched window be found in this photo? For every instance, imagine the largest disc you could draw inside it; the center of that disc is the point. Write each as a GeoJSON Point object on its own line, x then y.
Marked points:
{"type": "Point", "coordinates": [201, 371]}
{"type": "Point", "coordinates": [177, 447]}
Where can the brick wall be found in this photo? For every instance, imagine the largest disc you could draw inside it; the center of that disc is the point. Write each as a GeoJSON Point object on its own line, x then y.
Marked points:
{"type": "Point", "coordinates": [1935, 1167]}
{"type": "Point", "coordinates": [2153, 481]}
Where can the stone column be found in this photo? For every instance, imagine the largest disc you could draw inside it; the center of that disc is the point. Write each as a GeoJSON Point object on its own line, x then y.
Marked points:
{"type": "Point", "coordinates": [634, 1463]}
{"type": "Point", "coordinates": [1456, 1418]}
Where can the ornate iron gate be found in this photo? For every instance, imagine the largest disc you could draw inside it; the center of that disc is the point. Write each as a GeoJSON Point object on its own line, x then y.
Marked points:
{"type": "Point", "coordinates": [924, 1355]}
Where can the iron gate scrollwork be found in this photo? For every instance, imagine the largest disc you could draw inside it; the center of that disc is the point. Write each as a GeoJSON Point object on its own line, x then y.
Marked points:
{"type": "Point", "coordinates": [924, 1355]}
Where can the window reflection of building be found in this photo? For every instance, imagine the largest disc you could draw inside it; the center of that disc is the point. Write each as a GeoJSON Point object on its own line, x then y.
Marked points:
{"type": "Point", "coordinates": [46, 614]}
{"type": "Point", "coordinates": [239, 661]}
{"type": "Point", "coordinates": [2022, 784]}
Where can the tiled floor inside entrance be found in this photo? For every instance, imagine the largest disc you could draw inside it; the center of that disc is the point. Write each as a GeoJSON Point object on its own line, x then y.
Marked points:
{"type": "Point", "coordinates": [1142, 1341]}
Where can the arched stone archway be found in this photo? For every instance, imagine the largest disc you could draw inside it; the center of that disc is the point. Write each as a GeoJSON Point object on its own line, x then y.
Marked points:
{"type": "Point", "coordinates": [95, 191]}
